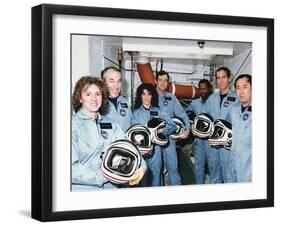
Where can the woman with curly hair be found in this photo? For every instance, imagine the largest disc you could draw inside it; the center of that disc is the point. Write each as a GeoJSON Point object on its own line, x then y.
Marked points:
{"type": "Point", "coordinates": [92, 132]}
{"type": "Point", "coordinates": [146, 108]}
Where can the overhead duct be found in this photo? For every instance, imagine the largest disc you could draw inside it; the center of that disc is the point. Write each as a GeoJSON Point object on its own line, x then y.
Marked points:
{"type": "Point", "coordinates": [145, 73]}
{"type": "Point", "coordinates": [182, 91]}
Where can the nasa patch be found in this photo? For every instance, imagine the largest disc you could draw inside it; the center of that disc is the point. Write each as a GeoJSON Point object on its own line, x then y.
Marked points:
{"type": "Point", "coordinates": [104, 134]}
{"type": "Point", "coordinates": [165, 103]}
{"type": "Point", "coordinates": [245, 116]}
{"type": "Point", "coordinates": [225, 104]}
{"type": "Point", "coordinates": [122, 112]}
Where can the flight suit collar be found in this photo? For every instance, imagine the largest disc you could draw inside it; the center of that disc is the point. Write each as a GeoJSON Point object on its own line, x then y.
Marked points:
{"type": "Point", "coordinates": [83, 115]}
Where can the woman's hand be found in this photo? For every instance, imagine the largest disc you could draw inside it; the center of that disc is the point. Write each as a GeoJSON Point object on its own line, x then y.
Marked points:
{"type": "Point", "coordinates": [138, 175]}
{"type": "Point", "coordinates": [185, 134]}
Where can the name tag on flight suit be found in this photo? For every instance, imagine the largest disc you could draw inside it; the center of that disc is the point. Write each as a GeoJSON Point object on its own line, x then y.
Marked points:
{"type": "Point", "coordinates": [104, 127]}
{"type": "Point", "coordinates": [154, 113]}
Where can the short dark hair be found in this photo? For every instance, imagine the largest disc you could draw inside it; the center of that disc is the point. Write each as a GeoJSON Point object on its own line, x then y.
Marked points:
{"type": "Point", "coordinates": [227, 71]}
{"type": "Point", "coordinates": [151, 89]}
{"type": "Point", "coordinates": [247, 76]}
{"type": "Point", "coordinates": [107, 69]}
{"type": "Point", "coordinates": [207, 82]}
{"type": "Point", "coordinates": [160, 73]}
{"type": "Point", "coordinates": [81, 84]}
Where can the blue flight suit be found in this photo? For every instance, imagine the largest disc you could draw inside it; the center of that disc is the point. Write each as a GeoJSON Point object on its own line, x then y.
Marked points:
{"type": "Point", "coordinates": [169, 104]}
{"type": "Point", "coordinates": [202, 150]}
{"type": "Point", "coordinates": [242, 141]}
{"type": "Point", "coordinates": [122, 115]}
{"type": "Point", "coordinates": [90, 138]}
{"type": "Point", "coordinates": [154, 162]}
{"type": "Point", "coordinates": [220, 110]}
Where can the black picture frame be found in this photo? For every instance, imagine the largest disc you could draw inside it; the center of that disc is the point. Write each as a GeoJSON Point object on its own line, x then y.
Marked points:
{"type": "Point", "coordinates": [42, 108]}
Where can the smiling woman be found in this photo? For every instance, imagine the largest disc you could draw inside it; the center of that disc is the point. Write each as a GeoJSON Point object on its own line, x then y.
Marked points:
{"type": "Point", "coordinates": [90, 93]}
{"type": "Point", "coordinates": [92, 133]}
{"type": "Point", "coordinates": [91, 100]}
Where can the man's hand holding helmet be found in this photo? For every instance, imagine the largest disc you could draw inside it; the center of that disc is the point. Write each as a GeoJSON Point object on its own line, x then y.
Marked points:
{"type": "Point", "coordinates": [184, 134]}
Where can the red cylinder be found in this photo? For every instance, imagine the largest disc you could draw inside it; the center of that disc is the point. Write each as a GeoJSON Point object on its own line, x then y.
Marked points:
{"type": "Point", "coordinates": [182, 91]}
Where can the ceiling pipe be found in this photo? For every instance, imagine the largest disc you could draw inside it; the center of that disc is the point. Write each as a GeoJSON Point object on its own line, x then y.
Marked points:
{"type": "Point", "coordinates": [181, 91]}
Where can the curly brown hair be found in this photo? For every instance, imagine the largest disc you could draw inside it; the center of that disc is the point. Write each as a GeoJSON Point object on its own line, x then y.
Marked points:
{"type": "Point", "coordinates": [83, 83]}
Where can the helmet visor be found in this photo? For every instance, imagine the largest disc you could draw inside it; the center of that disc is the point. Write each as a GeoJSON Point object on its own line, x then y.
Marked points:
{"type": "Point", "coordinates": [218, 132]}
{"type": "Point", "coordinates": [203, 125]}
{"type": "Point", "coordinates": [141, 138]}
{"type": "Point", "coordinates": [121, 162]}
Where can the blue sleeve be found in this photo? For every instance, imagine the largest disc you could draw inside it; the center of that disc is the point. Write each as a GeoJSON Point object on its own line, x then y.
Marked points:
{"type": "Point", "coordinates": [131, 117]}
{"type": "Point", "coordinates": [134, 121]}
{"type": "Point", "coordinates": [169, 129]}
{"type": "Point", "coordinates": [190, 107]}
{"type": "Point", "coordinates": [170, 126]}
{"type": "Point", "coordinates": [179, 112]}
{"type": "Point", "coordinates": [81, 172]}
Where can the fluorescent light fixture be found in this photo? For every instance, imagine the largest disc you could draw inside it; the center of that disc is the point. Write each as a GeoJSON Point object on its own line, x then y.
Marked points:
{"type": "Point", "coordinates": [175, 55]}
{"type": "Point", "coordinates": [185, 49]}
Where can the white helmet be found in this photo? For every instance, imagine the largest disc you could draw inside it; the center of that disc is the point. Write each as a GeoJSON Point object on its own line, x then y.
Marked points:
{"type": "Point", "coordinates": [203, 125]}
{"type": "Point", "coordinates": [222, 135]}
{"type": "Point", "coordinates": [154, 125]}
{"type": "Point", "coordinates": [180, 128]}
{"type": "Point", "coordinates": [141, 137]}
{"type": "Point", "coordinates": [120, 161]}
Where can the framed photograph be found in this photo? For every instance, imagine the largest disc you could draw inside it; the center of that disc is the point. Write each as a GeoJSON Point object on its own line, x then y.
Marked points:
{"type": "Point", "coordinates": [73, 44]}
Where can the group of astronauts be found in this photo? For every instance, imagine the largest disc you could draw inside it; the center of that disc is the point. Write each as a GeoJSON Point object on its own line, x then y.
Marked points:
{"type": "Point", "coordinates": [116, 146]}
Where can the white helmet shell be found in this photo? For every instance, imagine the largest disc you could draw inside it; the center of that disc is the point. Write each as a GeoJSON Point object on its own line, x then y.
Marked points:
{"type": "Point", "coordinates": [222, 134]}
{"type": "Point", "coordinates": [202, 125]}
{"type": "Point", "coordinates": [180, 128]}
{"type": "Point", "coordinates": [120, 161]}
{"type": "Point", "coordinates": [140, 136]}
{"type": "Point", "coordinates": [154, 125]}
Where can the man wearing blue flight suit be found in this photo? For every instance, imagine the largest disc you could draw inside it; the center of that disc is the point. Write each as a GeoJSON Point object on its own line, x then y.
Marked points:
{"type": "Point", "coordinates": [118, 107]}
{"type": "Point", "coordinates": [218, 106]}
{"type": "Point", "coordinates": [241, 119]}
{"type": "Point", "coordinates": [202, 149]}
{"type": "Point", "coordinates": [169, 104]}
